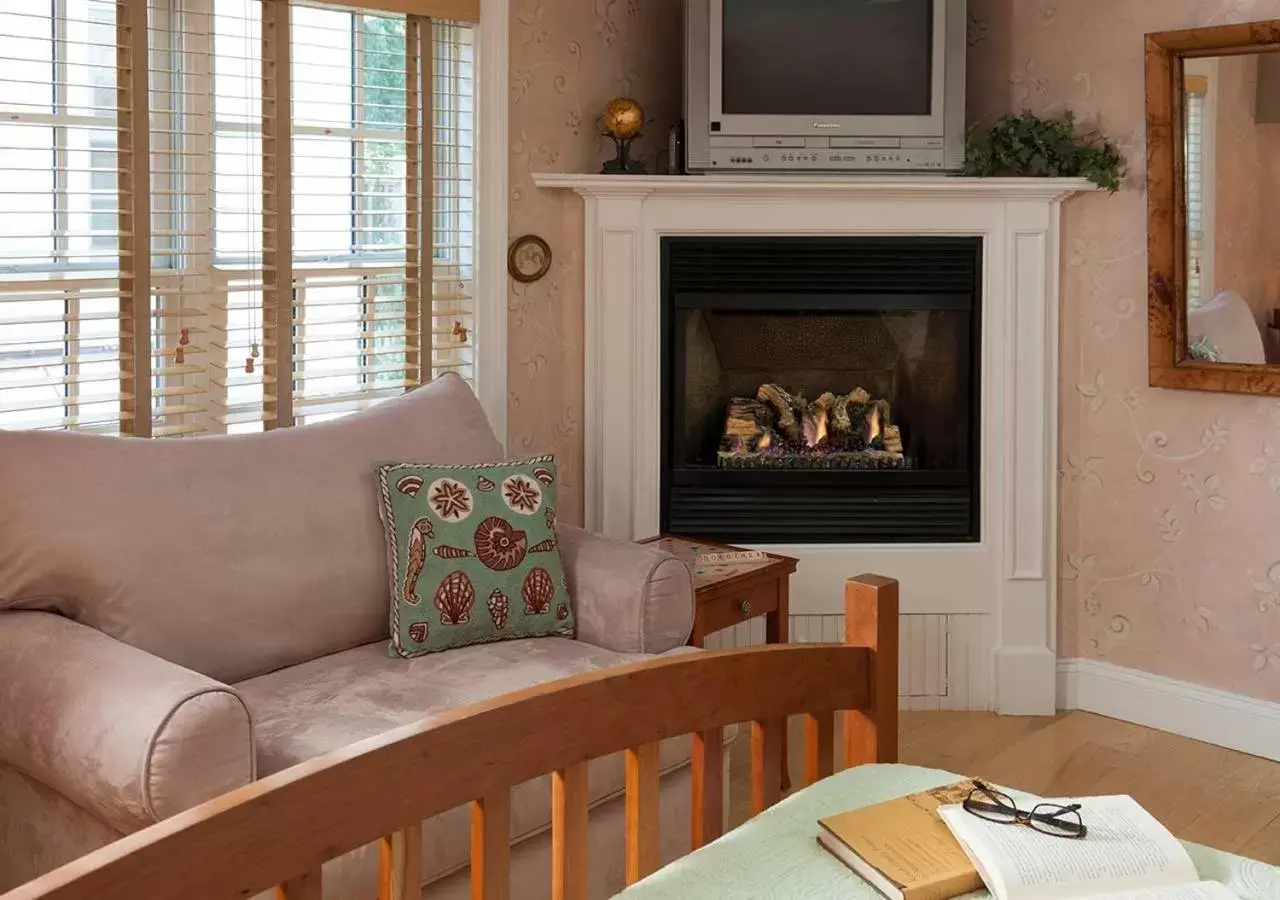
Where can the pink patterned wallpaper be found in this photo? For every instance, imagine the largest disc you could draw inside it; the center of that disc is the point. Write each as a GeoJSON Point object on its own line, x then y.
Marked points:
{"type": "Point", "coordinates": [1170, 499]}
{"type": "Point", "coordinates": [568, 59]}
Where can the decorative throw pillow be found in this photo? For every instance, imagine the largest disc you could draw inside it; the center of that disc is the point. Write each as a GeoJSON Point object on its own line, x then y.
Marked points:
{"type": "Point", "coordinates": [1205, 350]}
{"type": "Point", "coordinates": [472, 554]}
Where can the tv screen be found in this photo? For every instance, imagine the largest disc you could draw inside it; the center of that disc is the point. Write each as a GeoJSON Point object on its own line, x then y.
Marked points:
{"type": "Point", "coordinates": [828, 57]}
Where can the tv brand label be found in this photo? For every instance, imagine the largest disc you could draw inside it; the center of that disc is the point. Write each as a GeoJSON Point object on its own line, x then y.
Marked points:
{"type": "Point", "coordinates": [826, 124]}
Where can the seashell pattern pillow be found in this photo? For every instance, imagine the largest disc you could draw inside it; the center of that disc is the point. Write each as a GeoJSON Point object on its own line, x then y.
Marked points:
{"type": "Point", "coordinates": [472, 554]}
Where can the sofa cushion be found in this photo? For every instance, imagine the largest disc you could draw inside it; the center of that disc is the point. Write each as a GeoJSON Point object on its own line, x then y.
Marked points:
{"type": "Point", "coordinates": [472, 554]}
{"type": "Point", "coordinates": [229, 555]}
{"type": "Point", "coordinates": [329, 703]}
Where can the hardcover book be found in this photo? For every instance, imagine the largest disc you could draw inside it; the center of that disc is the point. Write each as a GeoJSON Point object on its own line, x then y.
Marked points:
{"type": "Point", "coordinates": [903, 848]}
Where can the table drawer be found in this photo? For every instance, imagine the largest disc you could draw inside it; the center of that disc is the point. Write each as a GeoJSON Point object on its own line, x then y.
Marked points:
{"type": "Point", "coordinates": [730, 609]}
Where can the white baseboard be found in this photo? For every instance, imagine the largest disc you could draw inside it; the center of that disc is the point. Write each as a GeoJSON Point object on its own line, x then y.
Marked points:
{"type": "Point", "coordinates": [1205, 714]}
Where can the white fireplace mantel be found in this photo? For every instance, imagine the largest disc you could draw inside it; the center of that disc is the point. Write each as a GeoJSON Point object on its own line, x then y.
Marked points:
{"type": "Point", "coordinates": [1008, 576]}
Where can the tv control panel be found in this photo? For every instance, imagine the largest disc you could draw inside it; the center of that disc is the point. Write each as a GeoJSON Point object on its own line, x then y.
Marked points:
{"type": "Point", "coordinates": [822, 154]}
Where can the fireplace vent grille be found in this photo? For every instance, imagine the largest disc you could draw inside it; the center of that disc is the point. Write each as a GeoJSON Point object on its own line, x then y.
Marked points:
{"type": "Point", "coordinates": [846, 265]}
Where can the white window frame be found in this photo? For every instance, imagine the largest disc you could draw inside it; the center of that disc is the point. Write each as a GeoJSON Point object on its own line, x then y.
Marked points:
{"type": "Point", "coordinates": [492, 103]}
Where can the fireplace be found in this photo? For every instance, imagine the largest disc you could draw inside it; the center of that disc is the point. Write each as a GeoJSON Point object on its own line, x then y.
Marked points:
{"type": "Point", "coordinates": [821, 389]}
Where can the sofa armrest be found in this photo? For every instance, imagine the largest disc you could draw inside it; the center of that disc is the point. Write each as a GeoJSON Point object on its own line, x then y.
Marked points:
{"type": "Point", "coordinates": [126, 735]}
{"type": "Point", "coordinates": [627, 597]}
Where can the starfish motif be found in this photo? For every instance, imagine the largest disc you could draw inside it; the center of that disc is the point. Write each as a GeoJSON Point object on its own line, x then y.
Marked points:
{"type": "Point", "coordinates": [522, 495]}
{"type": "Point", "coordinates": [450, 500]}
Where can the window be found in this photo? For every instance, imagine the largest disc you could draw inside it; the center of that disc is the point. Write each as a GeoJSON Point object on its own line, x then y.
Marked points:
{"type": "Point", "coordinates": [306, 258]}
{"type": "Point", "coordinates": [61, 359]}
{"type": "Point", "coordinates": [1197, 154]}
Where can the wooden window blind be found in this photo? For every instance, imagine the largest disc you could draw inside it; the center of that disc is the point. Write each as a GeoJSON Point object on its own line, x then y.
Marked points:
{"type": "Point", "coordinates": [274, 199]}
{"type": "Point", "coordinates": [1194, 154]}
{"type": "Point", "coordinates": [67, 356]}
{"type": "Point", "coordinates": [453, 200]}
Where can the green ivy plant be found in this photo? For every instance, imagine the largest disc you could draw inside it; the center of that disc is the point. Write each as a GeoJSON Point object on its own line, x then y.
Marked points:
{"type": "Point", "coordinates": [1028, 146]}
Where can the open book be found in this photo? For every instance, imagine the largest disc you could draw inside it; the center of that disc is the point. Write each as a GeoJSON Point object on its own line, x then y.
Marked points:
{"type": "Point", "coordinates": [1126, 855]}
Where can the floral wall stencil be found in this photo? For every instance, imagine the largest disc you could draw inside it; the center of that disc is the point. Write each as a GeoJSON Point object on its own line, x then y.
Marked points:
{"type": "Point", "coordinates": [568, 59]}
{"type": "Point", "coordinates": [1170, 500]}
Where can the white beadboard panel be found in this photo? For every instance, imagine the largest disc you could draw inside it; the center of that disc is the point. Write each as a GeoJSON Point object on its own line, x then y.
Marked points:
{"type": "Point", "coordinates": [747, 634]}
{"type": "Point", "coordinates": [944, 661]}
{"type": "Point", "coordinates": [969, 656]}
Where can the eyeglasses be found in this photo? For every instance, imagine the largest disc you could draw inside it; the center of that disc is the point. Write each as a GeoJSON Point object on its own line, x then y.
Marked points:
{"type": "Point", "coordinates": [1047, 818]}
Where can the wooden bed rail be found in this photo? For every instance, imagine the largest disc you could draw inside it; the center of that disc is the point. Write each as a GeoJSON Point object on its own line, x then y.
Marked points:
{"type": "Point", "coordinates": [279, 831]}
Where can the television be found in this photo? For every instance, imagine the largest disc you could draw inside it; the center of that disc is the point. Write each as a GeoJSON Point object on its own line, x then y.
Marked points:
{"type": "Point", "coordinates": [824, 86]}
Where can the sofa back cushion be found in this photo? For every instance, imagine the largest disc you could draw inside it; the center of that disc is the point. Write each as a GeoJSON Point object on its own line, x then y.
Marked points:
{"type": "Point", "coordinates": [230, 555]}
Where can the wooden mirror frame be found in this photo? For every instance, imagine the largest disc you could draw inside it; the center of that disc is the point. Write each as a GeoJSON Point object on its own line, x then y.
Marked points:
{"type": "Point", "coordinates": [1168, 358]}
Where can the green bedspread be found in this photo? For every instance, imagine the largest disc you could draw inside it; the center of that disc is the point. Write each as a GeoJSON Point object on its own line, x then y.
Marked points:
{"type": "Point", "coordinates": [776, 855]}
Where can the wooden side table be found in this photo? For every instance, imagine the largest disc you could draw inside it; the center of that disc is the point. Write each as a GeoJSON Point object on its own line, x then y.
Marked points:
{"type": "Point", "coordinates": [730, 594]}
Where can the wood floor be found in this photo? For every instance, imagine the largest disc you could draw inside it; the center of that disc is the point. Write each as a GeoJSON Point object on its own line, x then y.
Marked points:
{"type": "Point", "coordinates": [1200, 792]}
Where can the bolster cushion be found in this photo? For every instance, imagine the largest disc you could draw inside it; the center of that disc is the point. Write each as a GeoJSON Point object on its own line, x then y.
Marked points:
{"type": "Point", "coordinates": [627, 597]}
{"type": "Point", "coordinates": [125, 735]}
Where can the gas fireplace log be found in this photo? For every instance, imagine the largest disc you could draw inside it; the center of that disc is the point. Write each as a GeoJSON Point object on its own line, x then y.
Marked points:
{"type": "Point", "coordinates": [892, 440]}
{"type": "Point", "coordinates": [746, 426]}
{"type": "Point", "coordinates": [843, 409]}
{"type": "Point", "coordinates": [788, 410]}
{"type": "Point", "coordinates": [746, 418]}
{"type": "Point", "coordinates": [782, 430]}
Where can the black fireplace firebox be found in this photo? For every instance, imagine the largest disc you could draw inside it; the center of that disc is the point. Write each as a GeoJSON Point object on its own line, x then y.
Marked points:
{"type": "Point", "coordinates": [821, 389]}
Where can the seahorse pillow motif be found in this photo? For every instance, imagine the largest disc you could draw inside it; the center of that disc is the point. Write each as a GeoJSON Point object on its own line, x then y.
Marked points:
{"type": "Point", "coordinates": [472, 554]}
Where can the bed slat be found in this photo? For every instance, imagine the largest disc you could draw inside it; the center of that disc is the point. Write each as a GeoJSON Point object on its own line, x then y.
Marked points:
{"type": "Point", "coordinates": [642, 812]}
{"type": "Point", "coordinates": [708, 786]}
{"type": "Point", "coordinates": [304, 887]}
{"type": "Point", "coordinates": [400, 871]}
{"type": "Point", "coordinates": [819, 748]}
{"type": "Point", "coordinates": [766, 764]}
{"type": "Point", "coordinates": [490, 847]}
{"type": "Point", "coordinates": [569, 833]}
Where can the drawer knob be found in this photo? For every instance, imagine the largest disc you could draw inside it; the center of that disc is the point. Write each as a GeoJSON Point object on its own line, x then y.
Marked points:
{"type": "Point", "coordinates": [745, 607]}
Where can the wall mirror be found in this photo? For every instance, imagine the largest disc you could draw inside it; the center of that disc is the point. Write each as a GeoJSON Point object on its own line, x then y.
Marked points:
{"type": "Point", "coordinates": [1213, 221]}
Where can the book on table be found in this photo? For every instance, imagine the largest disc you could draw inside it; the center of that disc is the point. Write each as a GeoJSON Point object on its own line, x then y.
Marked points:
{"type": "Point", "coordinates": [902, 848]}
{"type": "Point", "coordinates": [1125, 855]}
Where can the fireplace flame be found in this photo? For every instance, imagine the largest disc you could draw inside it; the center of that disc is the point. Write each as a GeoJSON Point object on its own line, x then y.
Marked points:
{"type": "Point", "coordinates": [765, 442]}
{"type": "Point", "coordinates": [873, 423]}
{"type": "Point", "coordinates": [814, 426]}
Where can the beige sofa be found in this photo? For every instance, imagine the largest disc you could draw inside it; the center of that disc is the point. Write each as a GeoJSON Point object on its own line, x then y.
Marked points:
{"type": "Point", "coordinates": [180, 618]}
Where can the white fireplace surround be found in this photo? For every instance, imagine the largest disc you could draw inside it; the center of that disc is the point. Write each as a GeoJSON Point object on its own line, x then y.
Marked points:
{"type": "Point", "coordinates": [1008, 578]}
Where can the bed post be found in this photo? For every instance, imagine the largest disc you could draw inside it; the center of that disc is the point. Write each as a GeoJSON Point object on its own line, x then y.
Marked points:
{"type": "Point", "coordinates": [871, 620]}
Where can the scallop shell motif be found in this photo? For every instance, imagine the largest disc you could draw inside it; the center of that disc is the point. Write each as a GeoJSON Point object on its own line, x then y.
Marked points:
{"type": "Point", "coordinates": [562, 611]}
{"type": "Point", "coordinates": [499, 546]}
{"type": "Point", "coordinates": [450, 499]}
{"type": "Point", "coordinates": [485, 484]}
{"type": "Point", "coordinates": [544, 546]}
{"type": "Point", "coordinates": [499, 607]}
{"type": "Point", "coordinates": [454, 598]}
{"type": "Point", "coordinates": [409, 485]}
{"type": "Point", "coordinates": [418, 632]}
{"type": "Point", "coordinates": [543, 474]}
{"type": "Point", "coordinates": [522, 495]}
{"type": "Point", "coordinates": [537, 592]}
{"type": "Point", "coordinates": [447, 552]}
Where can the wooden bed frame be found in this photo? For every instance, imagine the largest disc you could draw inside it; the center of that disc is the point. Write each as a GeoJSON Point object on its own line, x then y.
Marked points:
{"type": "Point", "coordinates": [278, 831]}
